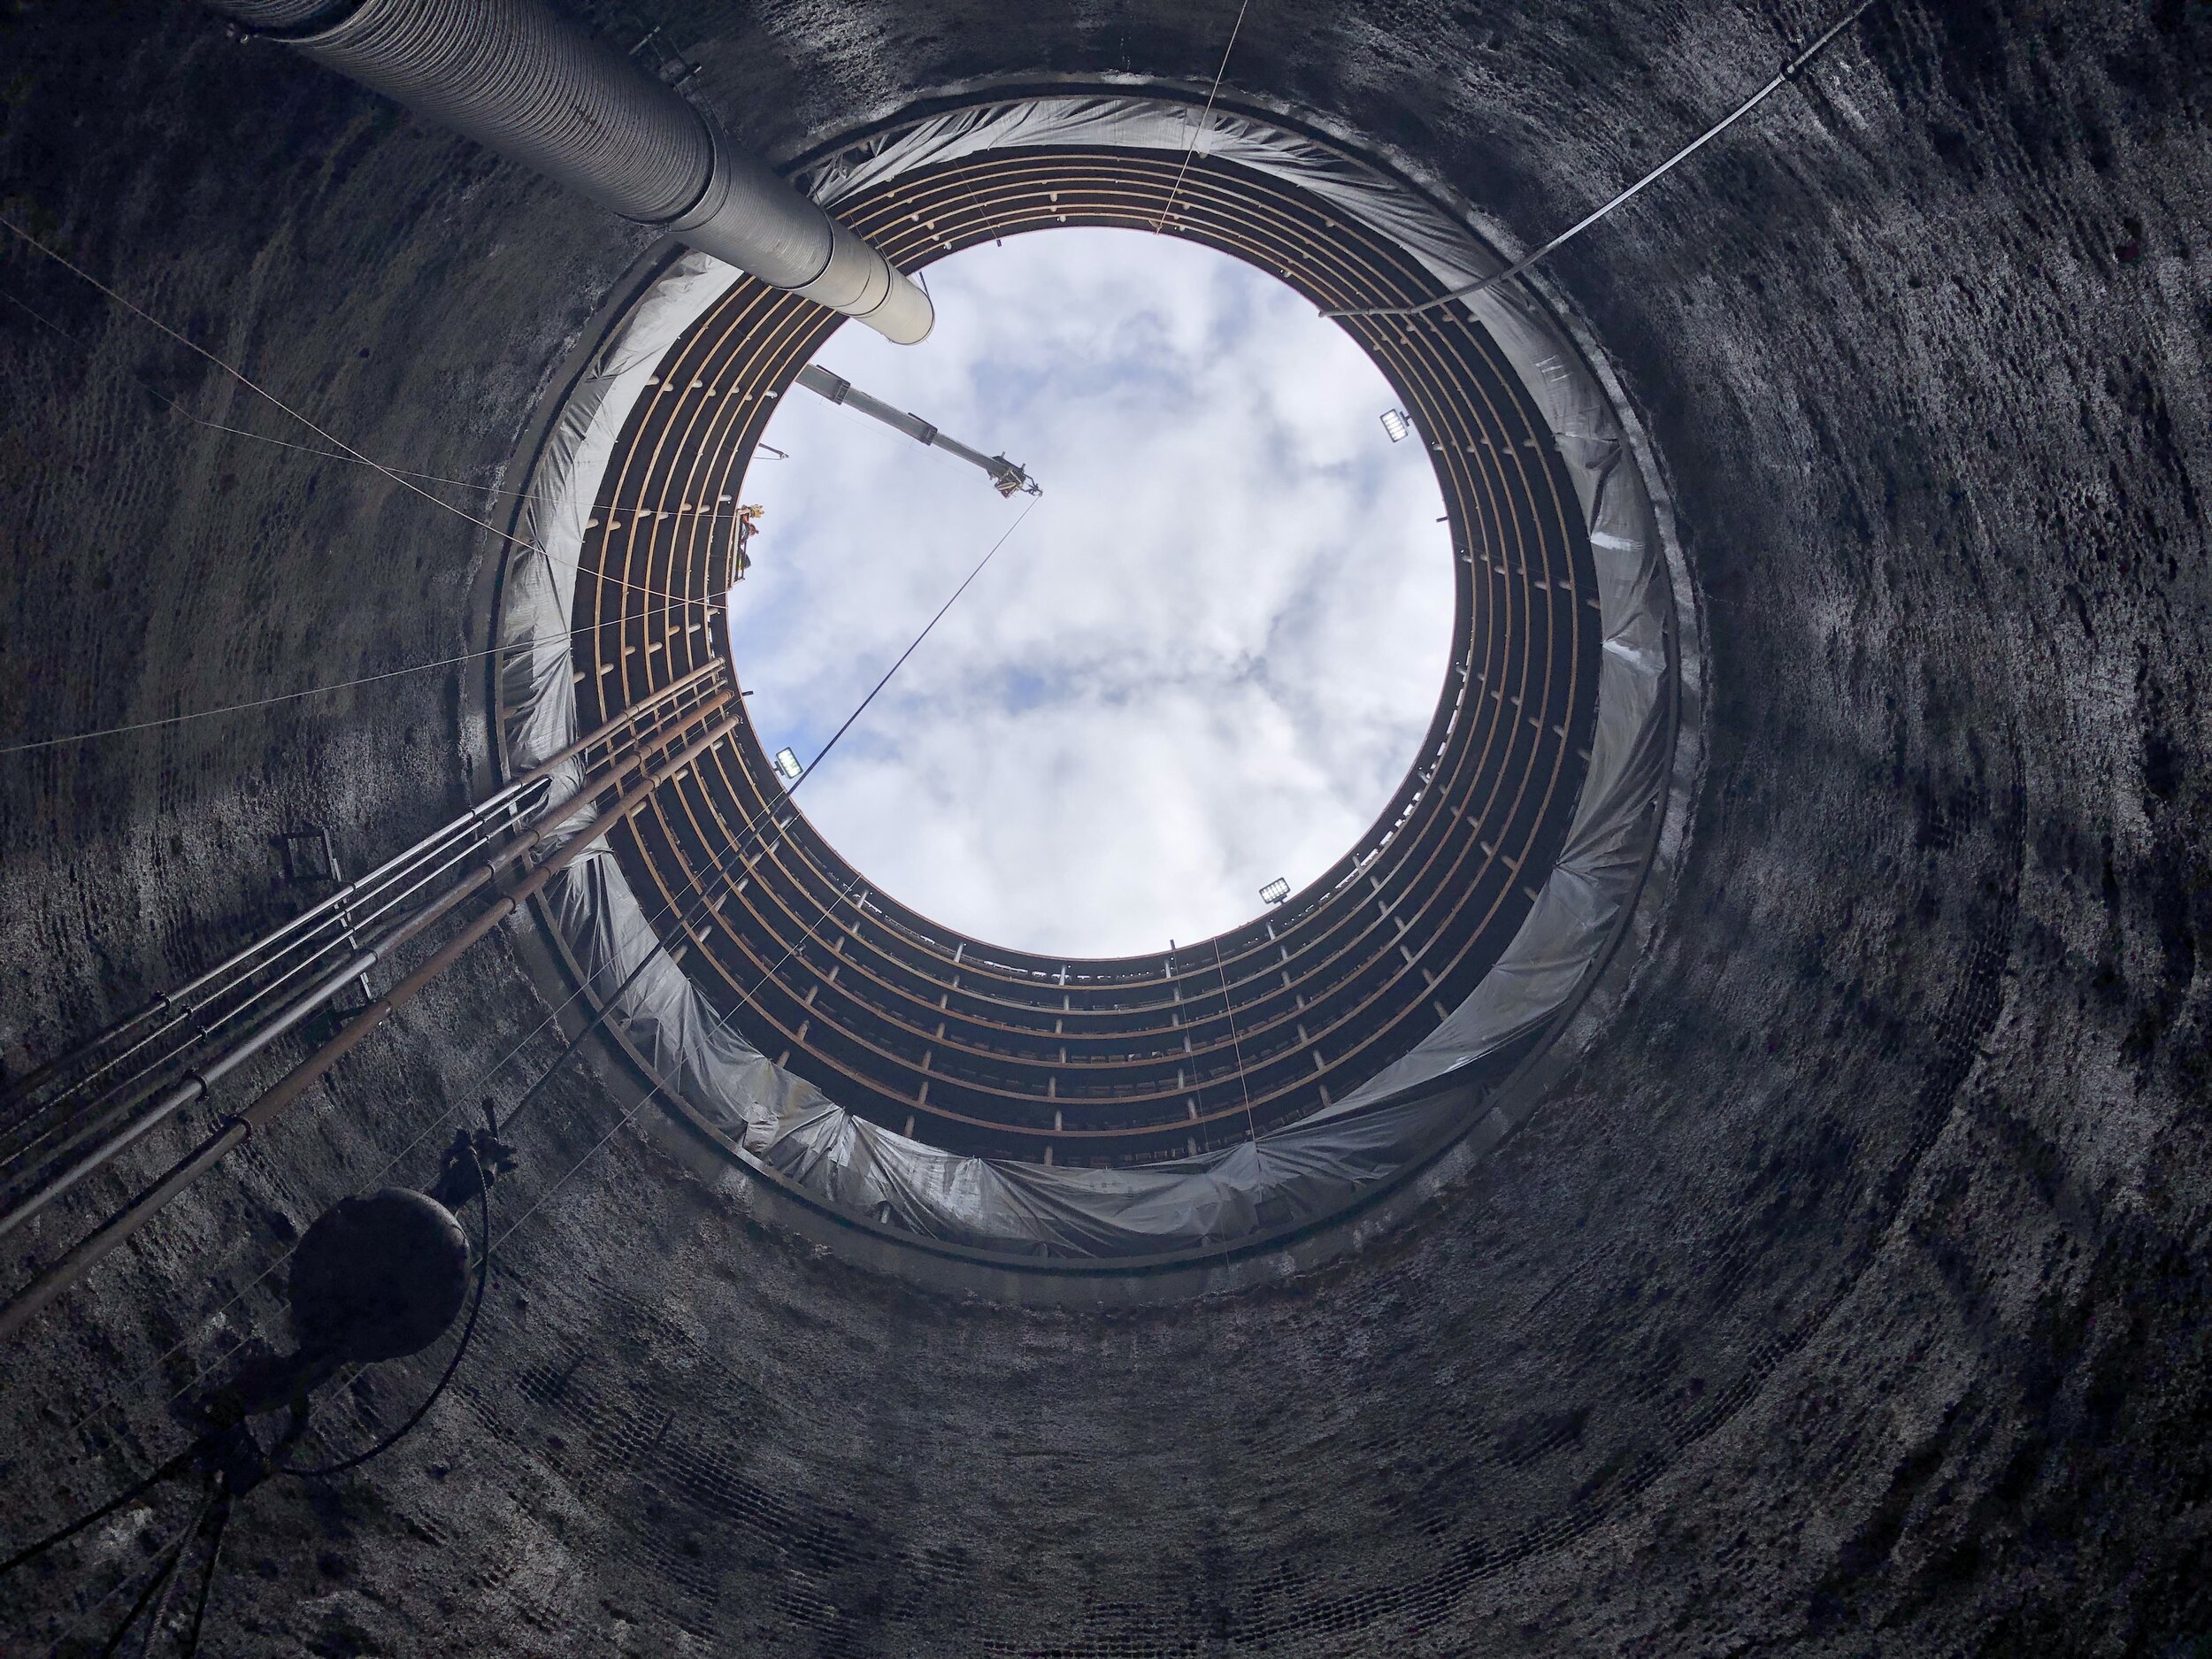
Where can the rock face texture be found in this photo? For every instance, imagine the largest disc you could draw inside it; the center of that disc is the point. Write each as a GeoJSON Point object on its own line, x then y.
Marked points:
{"type": "Point", "coordinates": [1851, 1297]}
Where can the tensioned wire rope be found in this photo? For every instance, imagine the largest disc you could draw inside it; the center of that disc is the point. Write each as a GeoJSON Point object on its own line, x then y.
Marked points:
{"type": "Point", "coordinates": [355, 459]}
{"type": "Point", "coordinates": [351, 456]}
{"type": "Point", "coordinates": [344, 452]}
{"type": "Point", "coordinates": [175, 407]}
{"type": "Point", "coordinates": [1205, 115]}
{"type": "Point", "coordinates": [172, 1554]}
{"type": "Point", "coordinates": [434, 477]}
{"type": "Point", "coordinates": [1220, 969]}
{"type": "Point", "coordinates": [748, 830]}
{"type": "Point", "coordinates": [702, 899]}
{"type": "Point", "coordinates": [292, 697]}
{"type": "Point", "coordinates": [1790, 70]}
{"type": "Point", "coordinates": [347, 451]}
{"type": "Point", "coordinates": [347, 455]}
{"type": "Point", "coordinates": [1236, 1045]}
{"type": "Point", "coordinates": [745, 830]}
{"type": "Point", "coordinates": [251, 385]}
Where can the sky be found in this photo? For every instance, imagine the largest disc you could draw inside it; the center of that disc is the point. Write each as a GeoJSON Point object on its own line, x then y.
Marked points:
{"type": "Point", "coordinates": [1204, 660]}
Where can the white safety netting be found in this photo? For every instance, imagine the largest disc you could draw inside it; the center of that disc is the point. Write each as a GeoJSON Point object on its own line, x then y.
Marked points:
{"type": "Point", "coordinates": [1291, 1176]}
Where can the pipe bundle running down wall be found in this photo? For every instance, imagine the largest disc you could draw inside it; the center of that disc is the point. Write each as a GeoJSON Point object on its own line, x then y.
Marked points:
{"type": "Point", "coordinates": [544, 92]}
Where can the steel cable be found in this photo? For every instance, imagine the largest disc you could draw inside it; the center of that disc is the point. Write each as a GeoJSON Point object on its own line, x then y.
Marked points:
{"type": "Point", "coordinates": [735, 846]}
{"type": "Point", "coordinates": [344, 452]}
{"type": "Point", "coordinates": [1788, 73]}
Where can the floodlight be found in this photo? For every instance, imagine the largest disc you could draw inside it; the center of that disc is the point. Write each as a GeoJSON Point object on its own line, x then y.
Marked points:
{"type": "Point", "coordinates": [788, 764]}
{"type": "Point", "coordinates": [1276, 891]}
{"type": "Point", "coordinates": [1395, 423]}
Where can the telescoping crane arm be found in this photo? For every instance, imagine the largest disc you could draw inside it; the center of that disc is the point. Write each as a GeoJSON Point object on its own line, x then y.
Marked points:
{"type": "Point", "coordinates": [1006, 477]}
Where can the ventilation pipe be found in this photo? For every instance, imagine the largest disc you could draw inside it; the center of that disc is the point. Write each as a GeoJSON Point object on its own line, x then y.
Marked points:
{"type": "Point", "coordinates": [546, 92]}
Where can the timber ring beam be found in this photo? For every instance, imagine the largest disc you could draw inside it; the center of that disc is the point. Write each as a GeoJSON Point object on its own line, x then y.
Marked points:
{"type": "Point", "coordinates": [981, 1049]}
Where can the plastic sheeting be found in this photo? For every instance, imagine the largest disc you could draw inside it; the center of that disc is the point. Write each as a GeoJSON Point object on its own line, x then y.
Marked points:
{"type": "Point", "coordinates": [1293, 1176]}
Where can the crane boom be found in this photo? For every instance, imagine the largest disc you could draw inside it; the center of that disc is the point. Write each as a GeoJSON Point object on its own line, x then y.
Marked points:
{"type": "Point", "coordinates": [1007, 478]}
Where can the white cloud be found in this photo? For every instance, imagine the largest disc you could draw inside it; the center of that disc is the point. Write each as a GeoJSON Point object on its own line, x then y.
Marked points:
{"type": "Point", "coordinates": [1206, 659]}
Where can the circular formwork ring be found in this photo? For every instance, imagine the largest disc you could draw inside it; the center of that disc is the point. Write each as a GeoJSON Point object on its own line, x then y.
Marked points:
{"type": "Point", "coordinates": [977, 1048]}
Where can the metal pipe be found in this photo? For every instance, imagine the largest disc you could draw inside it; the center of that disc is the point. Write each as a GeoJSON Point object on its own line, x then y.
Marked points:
{"type": "Point", "coordinates": [376, 894]}
{"type": "Point", "coordinates": [297, 1081]}
{"type": "Point", "coordinates": [183, 995]}
{"type": "Point", "coordinates": [548, 92]}
{"type": "Point", "coordinates": [1788, 73]}
{"type": "Point", "coordinates": [427, 863]}
{"type": "Point", "coordinates": [94, 1246]}
{"type": "Point", "coordinates": [120, 1226]}
{"type": "Point", "coordinates": [195, 1084]}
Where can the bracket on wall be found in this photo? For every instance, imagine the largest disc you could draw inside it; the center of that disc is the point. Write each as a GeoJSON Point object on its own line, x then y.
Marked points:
{"type": "Point", "coordinates": [644, 38]}
{"type": "Point", "coordinates": [310, 860]}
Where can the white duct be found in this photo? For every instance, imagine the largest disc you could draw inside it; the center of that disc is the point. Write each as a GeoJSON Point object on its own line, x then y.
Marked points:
{"type": "Point", "coordinates": [543, 91]}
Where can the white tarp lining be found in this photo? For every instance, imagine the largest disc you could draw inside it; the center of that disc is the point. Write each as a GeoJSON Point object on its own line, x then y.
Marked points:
{"type": "Point", "coordinates": [1291, 1176]}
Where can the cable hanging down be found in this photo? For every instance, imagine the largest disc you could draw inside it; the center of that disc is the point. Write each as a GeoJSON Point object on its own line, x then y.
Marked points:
{"type": "Point", "coordinates": [282, 696]}
{"type": "Point", "coordinates": [426, 1126]}
{"type": "Point", "coordinates": [54, 1281]}
{"type": "Point", "coordinates": [746, 831]}
{"type": "Point", "coordinates": [344, 452]}
{"type": "Point", "coordinates": [1788, 73]}
{"type": "Point", "coordinates": [1204, 115]}
{"type": "Point", "coordinates": [171, 1558]}
{"type": "Point", "coordinates": [436, 1120]}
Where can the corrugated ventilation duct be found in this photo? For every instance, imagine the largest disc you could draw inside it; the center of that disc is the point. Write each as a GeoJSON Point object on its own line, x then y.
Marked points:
{"type": "Point", "coordinates": [546, 93]}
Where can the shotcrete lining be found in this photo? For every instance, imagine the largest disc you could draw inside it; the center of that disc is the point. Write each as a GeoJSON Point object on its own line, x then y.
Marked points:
{"type": "Point", "coordinates": [1867, 1248]}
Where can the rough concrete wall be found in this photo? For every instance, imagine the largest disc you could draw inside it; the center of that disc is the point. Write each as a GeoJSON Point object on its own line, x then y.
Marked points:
{"type": "Point", "coordinates": [1851, 1298]}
